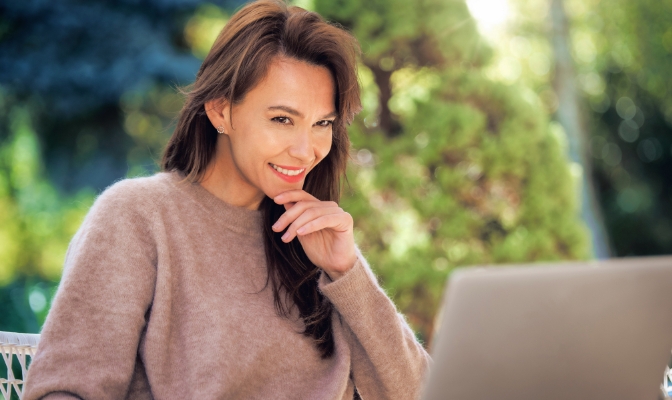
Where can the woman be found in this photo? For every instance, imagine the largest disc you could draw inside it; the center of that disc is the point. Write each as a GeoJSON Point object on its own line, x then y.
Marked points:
{"type": "Point", "coordinates": [233, 273]}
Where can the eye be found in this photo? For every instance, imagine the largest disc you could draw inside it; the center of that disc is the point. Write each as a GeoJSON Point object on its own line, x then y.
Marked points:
{"type": "Point", "coordinates": [281, 120]}
{"type": "Point", "coordinates": [325, 123]}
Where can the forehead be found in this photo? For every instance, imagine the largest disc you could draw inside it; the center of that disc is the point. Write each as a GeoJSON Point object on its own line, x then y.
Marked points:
{"type": "Point", "coordinates": [307, 87]}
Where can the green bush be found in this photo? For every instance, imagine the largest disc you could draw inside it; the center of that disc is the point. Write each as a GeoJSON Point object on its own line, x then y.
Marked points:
{"type": "Point", "coordinates": [36, 225]}
{"type": "Point", "coordinates": [474, 173]}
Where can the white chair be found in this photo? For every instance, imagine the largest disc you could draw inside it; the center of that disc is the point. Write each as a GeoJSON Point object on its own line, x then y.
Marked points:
{"type": "Point", "coordinates": [21, 346]}
{"type": "Point", "coordinates": [666, 387]}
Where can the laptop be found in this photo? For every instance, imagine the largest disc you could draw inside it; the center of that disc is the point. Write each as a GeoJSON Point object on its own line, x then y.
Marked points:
{"type": "Point", "coordinates": [581, 330]}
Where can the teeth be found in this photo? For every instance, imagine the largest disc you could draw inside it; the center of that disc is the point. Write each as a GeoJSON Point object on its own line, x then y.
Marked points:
{"type": "Point", "coordinates": [287, 171]}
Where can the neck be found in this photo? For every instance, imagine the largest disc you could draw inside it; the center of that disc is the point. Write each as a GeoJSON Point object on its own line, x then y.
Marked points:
{"type": "Point", "coordinates": [223, 179]}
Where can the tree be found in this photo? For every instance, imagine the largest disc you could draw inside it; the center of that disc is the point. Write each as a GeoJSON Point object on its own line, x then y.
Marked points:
{"type": "Point", "coordinates": [72, 62]}
{"type": "Point", "coordinates": [475, 173]}
{"type": "Point", "coordinates": [36, 224]}
{"type": "Point", "coordinates": [570, 114]}
{"type": "Point", "coordinates": [396, 34]}
{"type": "Point", "coordinates": [86, 98]}
{"type": "Point", "coordinates": [624, 50]}
{"type": "Point", "coordinates": [621, 52]}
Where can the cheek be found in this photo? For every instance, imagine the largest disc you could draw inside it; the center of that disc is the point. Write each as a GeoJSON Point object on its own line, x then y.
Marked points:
{"type": "Point", "coordinates": [323, 146]}
{"type": "Point", "coordinates": [251, 144]}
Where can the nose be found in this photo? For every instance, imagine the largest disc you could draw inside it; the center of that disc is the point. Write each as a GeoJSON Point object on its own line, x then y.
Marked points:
{"type": "Point", "coordinates": [302, 147]}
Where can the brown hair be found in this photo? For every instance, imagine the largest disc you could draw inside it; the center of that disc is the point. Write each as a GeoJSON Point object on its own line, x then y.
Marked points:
{"type": "Point", "coordinates": [237, 61]}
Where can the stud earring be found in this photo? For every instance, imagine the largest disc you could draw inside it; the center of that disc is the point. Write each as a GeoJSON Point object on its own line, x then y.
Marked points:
{"type": "Point", "coordinates": [220, 129]}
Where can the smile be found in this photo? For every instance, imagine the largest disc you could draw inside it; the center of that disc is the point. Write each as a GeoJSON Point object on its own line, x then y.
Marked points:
{"type": "Point", "coordinates": [288, 172]}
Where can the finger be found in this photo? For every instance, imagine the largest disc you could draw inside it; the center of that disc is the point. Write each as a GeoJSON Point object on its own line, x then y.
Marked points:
{"type": "Point", "coordinates": [307, 216]}
{"type": "Point", "coordinates": [294, 196]}
{"type": "Point", "coordinates": [297, 209]}
{"type": "Point", "coordinates": [339, 222]}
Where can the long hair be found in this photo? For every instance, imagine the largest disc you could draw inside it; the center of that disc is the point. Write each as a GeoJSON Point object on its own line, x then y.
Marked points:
{"type": "Point", "coordinates": [238, 60]}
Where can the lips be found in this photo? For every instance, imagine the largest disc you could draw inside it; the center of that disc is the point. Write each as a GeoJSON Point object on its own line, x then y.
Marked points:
{"type": "Point", "coordinates": [288, 174]}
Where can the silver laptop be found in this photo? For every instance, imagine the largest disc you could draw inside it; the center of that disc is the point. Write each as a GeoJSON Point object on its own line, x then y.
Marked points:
{"type": "Point", "coordinates": [590, 330]}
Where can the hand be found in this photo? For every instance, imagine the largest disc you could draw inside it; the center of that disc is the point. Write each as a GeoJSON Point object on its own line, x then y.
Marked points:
{"type": "Point", "coordinates": [324, 230]}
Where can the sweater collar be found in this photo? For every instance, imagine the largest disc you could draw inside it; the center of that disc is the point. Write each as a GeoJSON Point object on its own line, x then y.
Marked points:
{"type": "Point", "coordinates": [238, 219]}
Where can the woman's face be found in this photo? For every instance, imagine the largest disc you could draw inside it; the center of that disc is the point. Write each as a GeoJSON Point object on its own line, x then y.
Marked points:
{"type": "Point", "coordinates": [279, 132]}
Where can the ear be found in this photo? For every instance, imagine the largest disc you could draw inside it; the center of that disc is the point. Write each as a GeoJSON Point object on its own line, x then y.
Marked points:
{"type": "Point", "coordinates": [218, 113]}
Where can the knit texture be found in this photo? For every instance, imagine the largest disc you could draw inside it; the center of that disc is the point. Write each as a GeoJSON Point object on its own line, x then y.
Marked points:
{"type": "Point", "coordinates": [164, 296]}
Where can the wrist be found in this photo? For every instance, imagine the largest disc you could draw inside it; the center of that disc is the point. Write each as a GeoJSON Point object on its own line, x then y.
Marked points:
{"type": "Point", "coordinates": [337, 273]}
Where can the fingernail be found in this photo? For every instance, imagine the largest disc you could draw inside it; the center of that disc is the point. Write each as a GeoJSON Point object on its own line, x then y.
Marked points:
{"type": "Point", "coordinates": [275, 226]}
{"type": "Point", "coordinates": [300, 230]}
{"type": "Point", "coordinates": [285, 236]}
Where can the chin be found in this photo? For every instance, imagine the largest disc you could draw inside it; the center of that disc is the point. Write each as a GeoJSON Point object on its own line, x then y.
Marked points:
{"type": "Point", "coordinates": [284, 188]}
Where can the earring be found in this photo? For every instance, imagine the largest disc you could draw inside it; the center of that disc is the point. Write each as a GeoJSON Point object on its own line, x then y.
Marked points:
{"type": "Point", "coordinates": [220, 129]}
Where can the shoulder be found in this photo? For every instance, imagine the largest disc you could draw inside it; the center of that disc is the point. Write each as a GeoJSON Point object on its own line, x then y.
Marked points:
{"type": "Point", "coordinates": [136, 191]}
{"type": "Point", "coordinates": [139, 187]}
{"type": "Point", "coordinates": [125, 210]}
{"type": "Point", "coordinates": [132, 197]}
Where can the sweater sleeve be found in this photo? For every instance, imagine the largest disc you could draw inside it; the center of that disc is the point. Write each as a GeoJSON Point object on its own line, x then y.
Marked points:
{"type": "Point", "coordinates": [89, 342]}
{"type": "Point", "coordinates": [387, 360]}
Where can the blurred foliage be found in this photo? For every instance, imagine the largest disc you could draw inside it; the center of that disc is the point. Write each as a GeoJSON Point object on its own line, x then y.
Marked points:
{"type": "Point", "coordinates": [623, 52]}
{"type": "Point", "coordinates": [630, 118]}
{"type": "Point", "coordinates": [87, 97]}
{"type": "Point", "coordinates": [36, 225]}
{"type": "Point", "coordinates": [396, 34]}
{"type": "Point", "coordinates": [72, 61]}
{"type": "Point", "coordinates": [474, 173]}
{"type": "Point", "coordinates": [203, 28]}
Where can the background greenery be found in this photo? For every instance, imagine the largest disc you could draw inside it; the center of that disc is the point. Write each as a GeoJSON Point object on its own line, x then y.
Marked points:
{"type": "Point", "coordinates": [458, 158]}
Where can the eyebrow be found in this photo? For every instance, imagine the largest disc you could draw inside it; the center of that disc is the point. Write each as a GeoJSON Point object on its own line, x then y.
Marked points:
{"type": "Point", "coordinates": [296, 113]}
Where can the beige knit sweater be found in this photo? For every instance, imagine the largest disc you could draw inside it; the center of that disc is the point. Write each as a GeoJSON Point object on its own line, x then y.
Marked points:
{"type": "Point", "coordinates": [163, 297]}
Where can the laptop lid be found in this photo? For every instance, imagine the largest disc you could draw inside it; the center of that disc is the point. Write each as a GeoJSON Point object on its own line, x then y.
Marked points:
{"type": "Point", "coordinates": [587, 330]}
